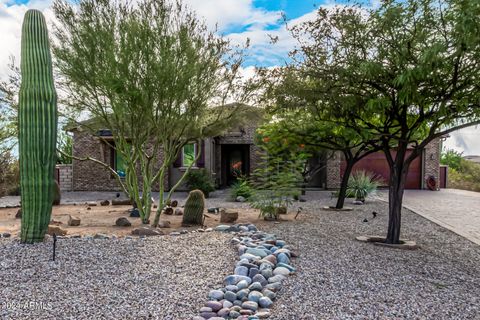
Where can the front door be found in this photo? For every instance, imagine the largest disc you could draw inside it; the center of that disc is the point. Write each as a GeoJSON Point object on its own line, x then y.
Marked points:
{"type": "Point", "coordinates": [235, 162]}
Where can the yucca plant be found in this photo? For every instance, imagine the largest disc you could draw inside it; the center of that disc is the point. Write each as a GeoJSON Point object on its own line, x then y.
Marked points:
{"type": "Point", "coordinates": [361, 184]}
{"type": "Point", "coordinates": [37, 122]}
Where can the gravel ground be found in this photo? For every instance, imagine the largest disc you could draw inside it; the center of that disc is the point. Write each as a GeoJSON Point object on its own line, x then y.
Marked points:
{"type": "Point", "coordinates": [159, 278]}
{"type": "Point", "coordinates": [169, 277]}
{"type": "Point", "coordinates": [340, 278]}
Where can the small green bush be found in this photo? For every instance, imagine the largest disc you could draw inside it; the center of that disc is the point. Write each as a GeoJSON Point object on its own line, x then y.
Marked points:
{"type": "Point", "coordinates": [201, 180]}
{"type": "Point", "coordinates": [467, 177]}
{"type": "Point", "coordinates": [241, 187]}
{"type": "Point", "coordinates": [361, 184]}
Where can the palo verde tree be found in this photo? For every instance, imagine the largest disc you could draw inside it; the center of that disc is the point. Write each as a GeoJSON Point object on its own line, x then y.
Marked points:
{"type": "Point", "coordinates": [415, 66]}
{"type": "Point", "coordinates": [150, 72]}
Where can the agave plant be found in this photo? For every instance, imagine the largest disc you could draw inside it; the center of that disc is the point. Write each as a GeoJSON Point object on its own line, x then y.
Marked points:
{"type": "Point", "coordinates": [361, 184]}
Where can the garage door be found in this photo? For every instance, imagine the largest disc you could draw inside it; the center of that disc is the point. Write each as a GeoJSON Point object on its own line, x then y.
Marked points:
{"type": "Point", "coordinates": [377, 163]}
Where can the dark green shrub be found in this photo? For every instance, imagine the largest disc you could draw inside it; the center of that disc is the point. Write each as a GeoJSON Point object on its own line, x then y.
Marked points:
{"type": "Point", "coordinates": [241, 187]}
{"type": "Point", "coordinates": [201, 180]}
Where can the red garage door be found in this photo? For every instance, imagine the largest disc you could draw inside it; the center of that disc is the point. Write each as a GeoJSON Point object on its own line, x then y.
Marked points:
{"type": "Point", "coordinates": [377, 163]}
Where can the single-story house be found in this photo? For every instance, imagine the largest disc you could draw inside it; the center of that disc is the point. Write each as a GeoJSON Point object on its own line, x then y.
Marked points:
{"type": "Point", "coordinates": [225, 155]}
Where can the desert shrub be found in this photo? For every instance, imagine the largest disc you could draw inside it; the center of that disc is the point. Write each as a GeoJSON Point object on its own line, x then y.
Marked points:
{"type": "Point", "coordinates": [451, 158]}
{"type": "Point", "coordinates": [467, 177]}
{"type": "Point", "coordinates": [241, 187]}
{"type": "Point", "coordinates": [201, 180]}
{"type": "Point", "coordinates": [361, 184]}
{"type": "Point", "coordinates": [9, 175]}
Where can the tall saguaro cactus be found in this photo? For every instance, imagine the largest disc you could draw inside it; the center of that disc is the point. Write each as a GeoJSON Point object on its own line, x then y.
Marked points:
{"type": "Point", "coordinates": [37, 118]}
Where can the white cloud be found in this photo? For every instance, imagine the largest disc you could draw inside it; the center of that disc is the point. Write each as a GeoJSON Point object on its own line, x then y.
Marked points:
{"type": "Point", "coordinates": [11, 18]}
{"type": "Point", "coordinates": [228, 13]}
{"type": "Point", "coordinates": [465, 140]}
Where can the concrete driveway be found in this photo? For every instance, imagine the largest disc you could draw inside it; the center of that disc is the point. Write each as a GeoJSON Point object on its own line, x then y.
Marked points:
{"type": "Point", "coordinates": [456, 210]}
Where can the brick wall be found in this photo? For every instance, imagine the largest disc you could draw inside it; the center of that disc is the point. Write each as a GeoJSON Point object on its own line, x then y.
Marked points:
{"type": "Point", "coordinates": [91, 176]}
{"type": "Point", "coordinates": [65, 177]}
{"type": "Point", "coordinates": [431, 162]}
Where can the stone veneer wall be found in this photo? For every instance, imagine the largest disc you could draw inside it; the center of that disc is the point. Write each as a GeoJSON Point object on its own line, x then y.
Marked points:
{"type": "Point", "coordinates": [431, 162]}
{"type": "Point", "coordinates": [333, 170]}
{"type": "Point", "coordinates": [88, 175]}
{"type": "Point", "coordinates": [65, 176]}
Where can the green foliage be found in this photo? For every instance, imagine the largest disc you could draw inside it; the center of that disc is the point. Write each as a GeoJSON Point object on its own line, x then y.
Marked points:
{"type": "Point", "coordinates": [194, 207]}
{"type": "Point", "coordinates": [37, 127]}
{"type": "Point", "coordinates": [451, 158]}
{"type": "Point", "coordinates": [9, 175]}
{"type": "Point", "coordinates": [361, 184]}
{"type": "Point", "coordinates": [65, 145]}
{"type": "Point", "coordinates": [152, 73]}
{"type": "Point", "coordinates": [200, 179]}
{"type": "Point", "coordinates": [241, 187]}
{"type": "Point", "coordinates": [401, 74]}
{"type": "Point", "coordinates": [277, 180]}
{"type": "Point", "coordinates": [466, 177]}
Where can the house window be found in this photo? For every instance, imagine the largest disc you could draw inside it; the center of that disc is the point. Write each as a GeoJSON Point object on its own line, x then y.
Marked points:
{"type": "Point", "coordinates": [120, 165]}
{"type": "Point", "coordinates": [117, 162]}
{"type": "Point", "coordinates": [188, 154]}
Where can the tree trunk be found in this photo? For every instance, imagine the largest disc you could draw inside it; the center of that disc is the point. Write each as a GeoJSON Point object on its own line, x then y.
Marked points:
{"type": "Point", "coordinates": [342, 193]}
{"type": "Point", "coordinates": [398, 176]}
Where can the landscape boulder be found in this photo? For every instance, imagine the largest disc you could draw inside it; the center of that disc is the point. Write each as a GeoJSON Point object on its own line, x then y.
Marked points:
{"type": "Point", "coordinates": [123, 222]}
{"type": "Point", "coordinates": [164, 224]}
{"type": "Point", "coordinates": [146, 231]}
{"type": "Point", "coordinates": [228, 216]}
{"type": "Point", "coordinates": [240, 199]}
{"type": "Point", "coordinates": [52, 229]}
{"type": "Point", "coordinates": [73, 221]}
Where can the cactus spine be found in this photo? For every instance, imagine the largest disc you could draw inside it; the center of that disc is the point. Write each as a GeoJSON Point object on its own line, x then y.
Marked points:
{"type": "Point", "coordinates": [194, 206]}
{"type": "Point", "coordinates": [37, 121]}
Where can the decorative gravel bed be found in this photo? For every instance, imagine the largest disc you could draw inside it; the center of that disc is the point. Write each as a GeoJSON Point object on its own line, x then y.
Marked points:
{"type": "Point", "coordinates": [340, 278]}
{"type": "Point", "coordinates": [162, 277]}
{"type": "Point", "coordinates": [171, 277]}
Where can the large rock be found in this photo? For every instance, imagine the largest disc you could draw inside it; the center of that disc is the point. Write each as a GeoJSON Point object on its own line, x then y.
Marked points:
{"type": "Point", "coordinates": [146, 231]}
{"type": "Point", "coordinates": [164, 224]}
{"type": "Point", "coordinates": [56, 230]}
{"type": "Point", "coordinates": [240, 199]}
{"type": "Point", "coordinates": [228, 216]}
{"type": "Point", "coordinates": [123, 222]}
{"type": "Point", "coordinates": [73, 221]}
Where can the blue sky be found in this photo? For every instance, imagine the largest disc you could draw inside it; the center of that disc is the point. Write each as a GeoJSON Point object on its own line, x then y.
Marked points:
{"type": "Point", "coordinates": [237, 20]}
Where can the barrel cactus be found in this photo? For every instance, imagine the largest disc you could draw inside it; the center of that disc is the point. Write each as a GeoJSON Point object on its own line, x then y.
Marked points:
{"type": "Point", "coordinates": [193, 211]}
{"type": "Point", "coordinates": [37, 122]}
